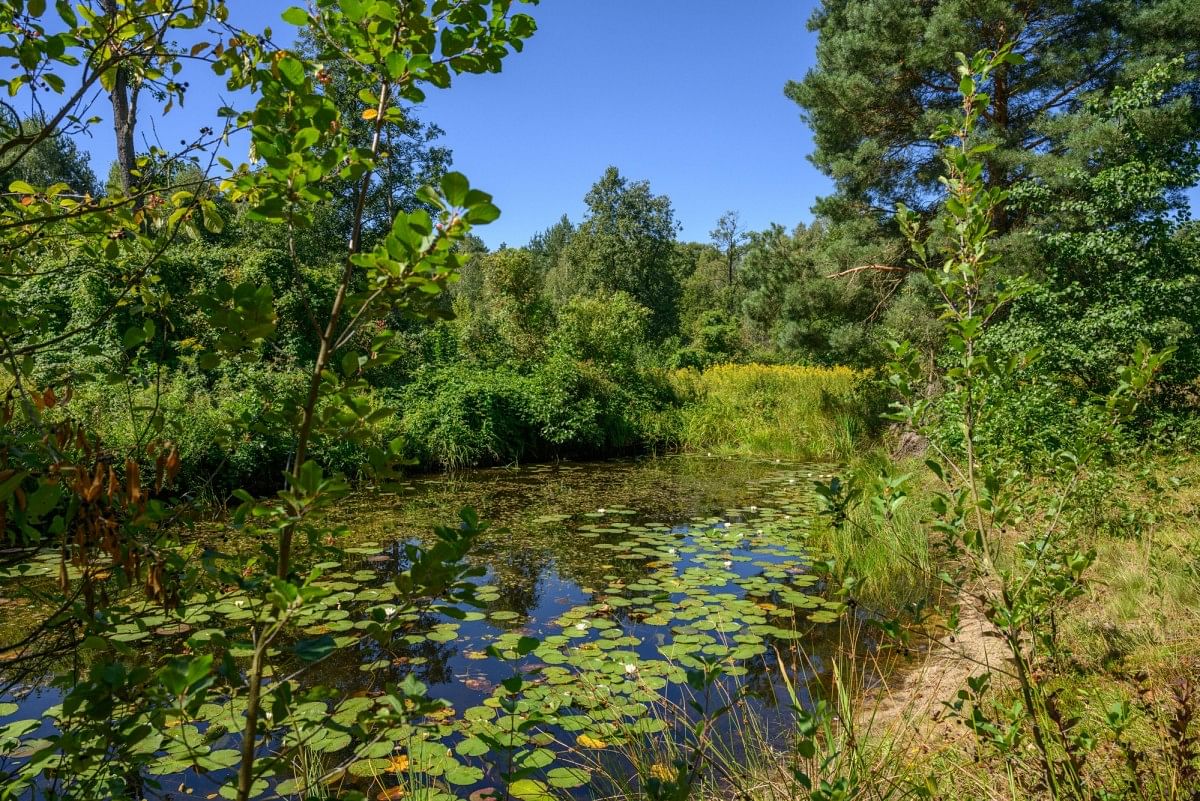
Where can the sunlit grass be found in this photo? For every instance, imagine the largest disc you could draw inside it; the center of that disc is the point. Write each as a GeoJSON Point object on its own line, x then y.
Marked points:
{"type": "Point", "coordinates": [782, 411]}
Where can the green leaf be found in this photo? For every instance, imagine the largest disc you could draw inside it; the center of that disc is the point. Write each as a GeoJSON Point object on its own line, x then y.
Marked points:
{"type": "Point", "coordinates": [531, 790]}
{"type": "Point", "coordinates": [396, 65]}
{"type": "Point", "coordinates": [455, 187]}
{"type": "Point", "coordinates": [567, 777]}
{"type": "Point", "coordinates": [472, 747]}
{"type": "Point", "coordinates": [295, 16]}
{"type": "Point", "coordinates": [315, 648]}
{"type": "Point", "coordinates": [307, 138]}
{"type": "Point", "coordinates": [483, 214]}
{"type": "Point", "coordinates": [292, 71]}
{"type": "Point", "coordinates": [134, 336]}
{"type": "Point", "coordinates": [213, 222]}
{"type": "Point", "coordinates": [11, 483]}
{"type": "Point", "coordinates": [463, 774]}
{"type": "Point", "coordinates": [64, 11]}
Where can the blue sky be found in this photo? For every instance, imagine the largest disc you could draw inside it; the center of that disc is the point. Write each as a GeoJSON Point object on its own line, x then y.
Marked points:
{"type": "Point", "coordinates": [687, 94]}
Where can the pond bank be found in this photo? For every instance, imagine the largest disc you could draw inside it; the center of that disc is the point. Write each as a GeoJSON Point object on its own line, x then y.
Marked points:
{"type": "Point", "coordinates": [1120, 669]}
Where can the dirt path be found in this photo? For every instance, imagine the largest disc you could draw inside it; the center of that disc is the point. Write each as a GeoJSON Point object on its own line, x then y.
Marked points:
{"type": "Point", "coordinates": [909, 708]}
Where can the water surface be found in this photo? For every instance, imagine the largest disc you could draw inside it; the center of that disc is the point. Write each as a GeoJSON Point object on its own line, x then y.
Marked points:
{"type": "Point", "coordinates": [634, 576]}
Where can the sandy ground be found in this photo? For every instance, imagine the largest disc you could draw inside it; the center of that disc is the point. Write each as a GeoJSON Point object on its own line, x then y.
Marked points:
{"type": "Point", "coordinates": [910, 708]}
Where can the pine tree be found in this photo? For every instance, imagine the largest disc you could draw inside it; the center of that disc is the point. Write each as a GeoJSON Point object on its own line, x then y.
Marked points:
{"type": "Point", "coordinates": [883, 82]}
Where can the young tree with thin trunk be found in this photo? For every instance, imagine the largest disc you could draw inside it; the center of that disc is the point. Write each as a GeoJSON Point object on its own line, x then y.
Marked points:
{"type": "Point", "coordinates": [729, 237]}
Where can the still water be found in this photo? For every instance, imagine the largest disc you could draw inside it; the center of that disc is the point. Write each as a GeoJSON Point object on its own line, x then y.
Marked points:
{"type": "Point", "coordinates": [636, 577]}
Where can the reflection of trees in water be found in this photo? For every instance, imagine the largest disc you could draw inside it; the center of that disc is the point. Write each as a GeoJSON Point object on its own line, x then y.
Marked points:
{"type": "Point", "coordinates": [666, 488]}
{"type": "Point", "coordinates": [518, 552]}
{"type": "Point", "coordinates": [433, 658]}
{"type": "Point", "coordinates": [32, 658]}
{"type": "Point", "coordinates": [580, 562]}
{"type": "Point", "coordinates": [429, 661]}
{"type": "Point", "coordinates": [517, 573]}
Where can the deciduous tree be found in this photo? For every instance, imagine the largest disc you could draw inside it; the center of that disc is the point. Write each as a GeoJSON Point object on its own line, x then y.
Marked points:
{"type": "Point", "coordinates": [626, 244]}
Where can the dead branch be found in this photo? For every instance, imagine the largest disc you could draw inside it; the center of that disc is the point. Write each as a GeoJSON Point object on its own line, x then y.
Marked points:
{"type": "Point", "coordinates": [883, 268]}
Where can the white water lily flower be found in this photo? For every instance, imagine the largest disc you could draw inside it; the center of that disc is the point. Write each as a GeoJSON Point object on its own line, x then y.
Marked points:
{"type": "Point", "coordinates": [239, 603]}
{"type": "Point", "coordinates": [583, 626]}
{"type": "Point", "coordinates": [630, 668]}
{"type": "Point", "coordinates": [601, 510]}
{"type": "Point", "coordinates": [753, 508]}
{"type": "Point", "coordinates": [390, 611]}
{"type": "Point", "coordinates": [728, 563]}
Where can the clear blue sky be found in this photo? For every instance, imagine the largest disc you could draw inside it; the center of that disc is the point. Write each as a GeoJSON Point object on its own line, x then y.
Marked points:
{"type": "Point", "coordinates": [687, 94]}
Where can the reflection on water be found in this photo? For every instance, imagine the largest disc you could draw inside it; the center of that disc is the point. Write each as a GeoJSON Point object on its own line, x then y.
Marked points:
{"type": "Point", "coordinates": [629, 572]}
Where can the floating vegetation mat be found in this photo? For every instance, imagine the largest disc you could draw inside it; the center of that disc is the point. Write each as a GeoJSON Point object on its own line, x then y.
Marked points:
{"type": "Point", "coordinates": [622, 602]}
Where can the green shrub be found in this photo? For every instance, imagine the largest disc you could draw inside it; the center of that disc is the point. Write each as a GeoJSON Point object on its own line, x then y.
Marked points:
{"type": "Point", "coordinates": [202, 417]}
{"type": "Point", "coordinates": [456, 416]}
{"type": "Point", "coordinates": [463, 415]}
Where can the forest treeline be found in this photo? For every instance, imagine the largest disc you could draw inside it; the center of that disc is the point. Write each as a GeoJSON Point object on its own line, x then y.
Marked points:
{"type": "Point", "coordinates": [566, 345]}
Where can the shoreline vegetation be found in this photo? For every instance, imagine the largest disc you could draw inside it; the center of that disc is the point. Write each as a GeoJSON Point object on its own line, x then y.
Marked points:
{"type": "Point", "coordinates": [455, 419]}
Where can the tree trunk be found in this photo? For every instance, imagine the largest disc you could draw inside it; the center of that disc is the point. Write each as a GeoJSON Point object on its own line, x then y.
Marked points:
{"type": "Point", "coordinates": [1001, 94]}
{"type": "Point", "coordinates": [124, 106]}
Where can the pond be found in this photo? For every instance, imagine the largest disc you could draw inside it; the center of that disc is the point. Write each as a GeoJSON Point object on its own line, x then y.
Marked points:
{"type": "Point", "coordinates": [621, 602]}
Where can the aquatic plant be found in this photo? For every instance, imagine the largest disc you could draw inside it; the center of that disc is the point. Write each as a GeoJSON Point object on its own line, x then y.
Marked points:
{"type": "Point", "coordinates": [683, 629]}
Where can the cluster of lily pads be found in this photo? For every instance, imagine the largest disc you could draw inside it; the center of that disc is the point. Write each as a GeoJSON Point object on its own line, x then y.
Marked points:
{"type": "Point", "coordinates": [726, 591]}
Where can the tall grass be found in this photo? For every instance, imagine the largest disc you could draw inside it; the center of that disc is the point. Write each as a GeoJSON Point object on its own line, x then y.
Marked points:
{"type": "Point", "coordinates": [781, 411]}
{"type": "Point", "coordinates": [887, 556]}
